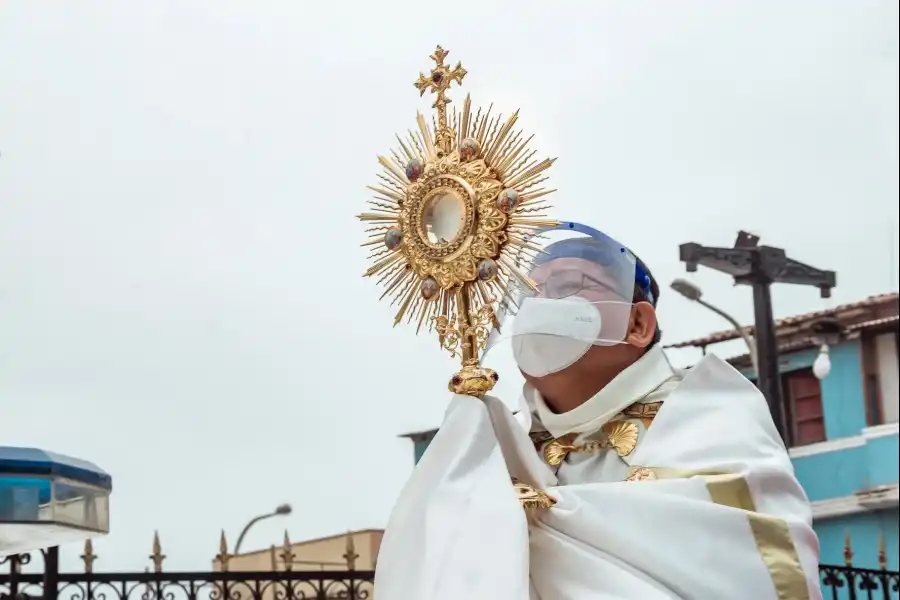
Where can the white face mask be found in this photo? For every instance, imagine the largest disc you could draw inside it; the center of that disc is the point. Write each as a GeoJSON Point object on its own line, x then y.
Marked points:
{"type": "Point", "coordinates": [538, 354]}
{"type": "Point", "coordinates": [552, 334]}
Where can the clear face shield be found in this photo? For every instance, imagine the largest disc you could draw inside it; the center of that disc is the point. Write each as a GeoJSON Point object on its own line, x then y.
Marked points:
{"type": "Point", "coordinates": [585, 284]}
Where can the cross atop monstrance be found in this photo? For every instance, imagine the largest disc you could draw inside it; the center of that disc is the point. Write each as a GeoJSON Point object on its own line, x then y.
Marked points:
{"type": "Point", "coordinates": [439, 82]}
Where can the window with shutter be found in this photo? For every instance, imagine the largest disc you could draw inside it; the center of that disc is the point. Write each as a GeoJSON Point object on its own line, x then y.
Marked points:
{"type": "Point", "coordinates": [804, 397]}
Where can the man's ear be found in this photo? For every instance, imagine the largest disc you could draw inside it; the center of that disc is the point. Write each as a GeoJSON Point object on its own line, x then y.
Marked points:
{"type": "Point", "coordinates": [642, 326]}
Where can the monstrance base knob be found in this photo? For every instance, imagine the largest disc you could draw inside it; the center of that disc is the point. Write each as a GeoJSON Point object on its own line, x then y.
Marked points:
{"type": "Point", "coordinates": [473, 380]}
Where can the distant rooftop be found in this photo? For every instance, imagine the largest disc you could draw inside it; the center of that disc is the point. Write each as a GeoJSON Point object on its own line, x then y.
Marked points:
{"type": "Point", "coordinates": [420, 436]}
{"type": "Point", "coordinates": [871, 312]}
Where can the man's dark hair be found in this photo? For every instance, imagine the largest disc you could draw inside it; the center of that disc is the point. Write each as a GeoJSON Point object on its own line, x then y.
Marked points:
{"type": "Point", "coordinates": [641, 296]}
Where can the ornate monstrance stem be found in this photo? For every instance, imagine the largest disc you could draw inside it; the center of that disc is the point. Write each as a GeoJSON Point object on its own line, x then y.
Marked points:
{"type": "Point", "coordinates": [469, 342]}
{"type": "Point", "coordinates": [454, 212]}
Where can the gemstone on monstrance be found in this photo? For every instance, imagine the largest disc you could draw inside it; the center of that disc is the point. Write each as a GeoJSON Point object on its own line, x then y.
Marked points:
{"type": "Point", "coordinates": [508, 200]}
{"type": "Point", "coordinates": [487, 269]}
{"type": "Point", "coordinates": [429, 288]}
{"type": "Point", "coordinates": [468, 149]}
{"type": "Point", "coordinates": [413, 169]}
{"type": "Point", "coordinates": [392, 238]}
{"type": "Point", "coordinates": [437, 77]}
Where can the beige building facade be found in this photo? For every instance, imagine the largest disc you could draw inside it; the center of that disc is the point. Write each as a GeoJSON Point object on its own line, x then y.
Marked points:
{"type": "Point", "coordinates": [355, 550]}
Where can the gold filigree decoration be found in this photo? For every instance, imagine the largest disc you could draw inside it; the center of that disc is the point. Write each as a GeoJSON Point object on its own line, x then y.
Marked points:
{"type": "Point", "coordinates": [532, 498]}
{"type": "Point", "coordinates": [641, 474]}
{"type": "Point", "coordinates": [448, 332]}
{"type": "Point", "coordinates": [481, 322]}
{"type": "Point", "coordinates": [643, 412]}
{"type": "Point", "coordinates": [481, 167]}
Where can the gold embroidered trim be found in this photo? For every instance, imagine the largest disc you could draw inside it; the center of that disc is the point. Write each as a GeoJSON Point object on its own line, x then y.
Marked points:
{"type": "Point", "coordinates": [772, 536]}
{"type": "Point", "coordinates": [652, 473]}
{"type": "Point", "coordinates": [531, 498]}
{"type": "Point", "coordinates": [645, 412]}
{"type": "Point", "coordinates": [641, 474]}
{"type": "Point", "coordinates": [621, 436]}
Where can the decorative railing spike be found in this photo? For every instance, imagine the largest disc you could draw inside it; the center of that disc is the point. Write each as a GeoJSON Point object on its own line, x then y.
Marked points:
{"type": "Point", "coordinates": [848, 549]}
{"type": "Point", "coordinates": [223, 557]}
{"type": "Point", "coordinates": [882, 552]}
{"type": "Point", "coordinates": [350, 555]}
{"type": "Point", "coordinates": [287, 554]}
{"type": "Point", "coordinates": [88, 557]}
{"type": "Point", "coordinates": [157, 557]}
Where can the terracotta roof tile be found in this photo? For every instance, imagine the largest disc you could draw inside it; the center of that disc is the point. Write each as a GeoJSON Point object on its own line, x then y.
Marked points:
{"type": "Point", "coordinates": [731, 334]}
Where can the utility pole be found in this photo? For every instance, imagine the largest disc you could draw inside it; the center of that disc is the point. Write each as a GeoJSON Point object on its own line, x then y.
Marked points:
{"type": "Point", "coordinates": [760, 267]}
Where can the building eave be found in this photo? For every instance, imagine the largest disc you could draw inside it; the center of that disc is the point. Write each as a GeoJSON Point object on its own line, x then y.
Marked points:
{"type": "Point", "coordinates": [880, 498]}
{"type": "Point", "coordinates": [851, 315]}
{"type": "Point", "coordinates": [419, 436]}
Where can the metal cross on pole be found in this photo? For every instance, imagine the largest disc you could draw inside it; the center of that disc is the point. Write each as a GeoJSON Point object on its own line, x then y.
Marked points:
{"type": "Point", "coordinates": [760, 267]}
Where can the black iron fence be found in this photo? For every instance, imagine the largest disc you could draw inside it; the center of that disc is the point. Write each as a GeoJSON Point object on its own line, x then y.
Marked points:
{"type": "Point", "coordinates": [847, 582]}
{"type": "Point", "coordinates": [851, 583]}
{"type": "Point", "coordinates": [20, 579]}
{"type": "Point", "coordinates": [330, 581]}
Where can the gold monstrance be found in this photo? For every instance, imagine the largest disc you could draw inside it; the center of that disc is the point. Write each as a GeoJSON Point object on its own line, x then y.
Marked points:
{"type": "Point", "coordinates": [454, 213]}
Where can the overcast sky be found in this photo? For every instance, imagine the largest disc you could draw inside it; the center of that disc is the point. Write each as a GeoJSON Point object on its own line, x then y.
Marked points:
{"type": "Point", "coordinates": [180, 290]}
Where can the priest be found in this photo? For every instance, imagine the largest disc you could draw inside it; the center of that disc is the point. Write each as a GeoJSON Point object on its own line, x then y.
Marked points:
{"type": "Point", "coordinates": [619, 478]}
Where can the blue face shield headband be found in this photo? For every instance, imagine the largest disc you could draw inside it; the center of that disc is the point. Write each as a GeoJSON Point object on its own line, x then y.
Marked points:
{"type": "Point", "coordinates": [596, 253]}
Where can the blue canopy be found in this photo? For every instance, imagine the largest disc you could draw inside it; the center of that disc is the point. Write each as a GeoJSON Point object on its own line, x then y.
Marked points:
{"type": "Point", "coordinates": [36, 462]}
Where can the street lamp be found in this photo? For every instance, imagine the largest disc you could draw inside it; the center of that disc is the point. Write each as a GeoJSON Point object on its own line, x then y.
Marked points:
{"type": "Point", "coordinates": [280, 510]}
{"type": "Point", "coordinates": [759, 267]}
{"type": "Point", "coordinates": [692, 292]}
{"type": "Point", "coordinates": [826, 332]}
{"type": "Point", "coordinates": [822, 365]}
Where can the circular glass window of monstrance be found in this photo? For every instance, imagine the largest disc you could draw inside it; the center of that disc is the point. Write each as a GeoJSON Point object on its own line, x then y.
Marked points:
{"type": "Point", "coordinates": [443, 217]}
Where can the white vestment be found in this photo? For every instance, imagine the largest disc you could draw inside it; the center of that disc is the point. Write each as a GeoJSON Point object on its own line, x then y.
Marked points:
{"type": "Point", "coordinates": [702, 505]}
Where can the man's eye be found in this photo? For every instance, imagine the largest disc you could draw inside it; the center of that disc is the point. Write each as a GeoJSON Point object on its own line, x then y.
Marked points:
{"type": "Point", "coordinates": [566, 290]}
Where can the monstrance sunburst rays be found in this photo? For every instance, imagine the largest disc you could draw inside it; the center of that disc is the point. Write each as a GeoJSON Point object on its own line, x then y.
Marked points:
{"type": "Point", "coordinates": [453, 218]}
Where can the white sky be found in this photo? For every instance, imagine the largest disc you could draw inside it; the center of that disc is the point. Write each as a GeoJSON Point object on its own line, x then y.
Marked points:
{"type": "Point", "coordinates": [180, 291]}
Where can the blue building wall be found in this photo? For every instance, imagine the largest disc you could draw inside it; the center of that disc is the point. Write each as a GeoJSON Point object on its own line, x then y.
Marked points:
{"type": "Point", "coordinates": [864, 463]}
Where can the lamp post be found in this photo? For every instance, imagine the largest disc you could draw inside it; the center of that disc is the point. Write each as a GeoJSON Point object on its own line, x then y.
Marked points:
{"type": "Point", "coordinates": [760, 267]}
{"type": "Point", "coordinates": [693, 292]}
{"type": "Point", "coordinates": [280, 510]}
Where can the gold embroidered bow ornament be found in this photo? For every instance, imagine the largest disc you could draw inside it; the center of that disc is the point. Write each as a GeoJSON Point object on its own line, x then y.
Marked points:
{"type": "Point", "coordinates": [621, 436]}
